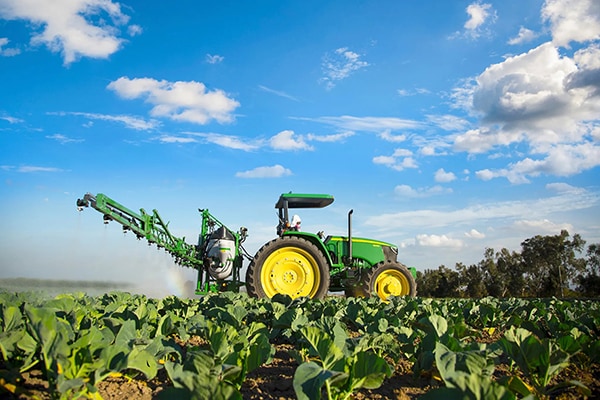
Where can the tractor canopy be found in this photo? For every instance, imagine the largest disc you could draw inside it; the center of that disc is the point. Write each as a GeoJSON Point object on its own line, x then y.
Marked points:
{"type": "Point", "coordinates": [303, 200]}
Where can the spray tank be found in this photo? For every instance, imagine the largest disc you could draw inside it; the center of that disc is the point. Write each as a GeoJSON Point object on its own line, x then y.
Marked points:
{"type": "Point", "coordinates": [220, 253]}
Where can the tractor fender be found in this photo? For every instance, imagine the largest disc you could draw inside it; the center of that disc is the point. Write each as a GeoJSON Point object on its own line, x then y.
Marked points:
{"type": "Point", "coordinates": [314, 239]}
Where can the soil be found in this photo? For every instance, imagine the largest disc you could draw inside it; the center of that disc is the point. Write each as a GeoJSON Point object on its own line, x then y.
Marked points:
{"type": "Point", "coordinates": [274, 382]}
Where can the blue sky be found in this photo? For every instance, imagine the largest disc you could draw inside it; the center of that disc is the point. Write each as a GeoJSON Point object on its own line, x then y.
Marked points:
{"type": "Point", "coordinates": [448, 126]}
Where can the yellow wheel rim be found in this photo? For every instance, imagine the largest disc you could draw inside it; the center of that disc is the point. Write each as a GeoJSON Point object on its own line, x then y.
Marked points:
{"type": "Point", "coordinates": [290, 271]}
{"type": "Point", "coordinates": [391, 283]}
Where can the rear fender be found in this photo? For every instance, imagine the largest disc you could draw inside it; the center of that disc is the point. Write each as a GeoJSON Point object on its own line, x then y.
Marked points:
{"type": "Point", "coordinates": [314, 239]}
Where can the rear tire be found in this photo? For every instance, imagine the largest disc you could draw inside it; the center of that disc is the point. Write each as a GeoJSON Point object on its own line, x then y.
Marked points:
{"type": "Point", "coordinates": [288, 265]}
{"type": "Point", "coordinates": [387, 279]}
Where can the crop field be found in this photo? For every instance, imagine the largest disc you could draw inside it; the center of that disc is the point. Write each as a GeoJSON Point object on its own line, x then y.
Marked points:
{"type": "Point", "coordinates": [229, 346]}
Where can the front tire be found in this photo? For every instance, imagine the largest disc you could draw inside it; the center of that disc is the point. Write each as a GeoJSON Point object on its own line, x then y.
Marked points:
{"type": "Point", "coordinates": [387, 279]}
{"type": "Point", "coordinates": [288, 265]}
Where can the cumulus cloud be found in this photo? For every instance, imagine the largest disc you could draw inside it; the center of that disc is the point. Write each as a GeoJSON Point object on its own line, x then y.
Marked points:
{"type": "Point", "coordinates": [481, 15]}
{"type": "Point", "coordinates": [180, 101]}
{"type": "Point", "coordinates": [275, 171]}
{"type": "Point", "coordinates": [478, 14]}
{"type": "Point", "coordinates": [547, 100]}
{"type": "Point", "coordinates": [399, 160]}
{"type": "Point", "coordinates": [562, 160]}
{"type": "Point", "coordinates": [438, 241]}
{"type": "Point", "coordinates": [475, 234]}
{"type": "Point", "coordinates": [442, 176]}
{"type": "Point", "coordinates": [66, 27]}
{"type": "Point", "coordinates": [340, 65]}
{"type": "Point", "coordinates": [287, 140]}
{"type": "Point", "coordinates": [572, 21]}
{"type": "Point", "coordinates": [525, 35]}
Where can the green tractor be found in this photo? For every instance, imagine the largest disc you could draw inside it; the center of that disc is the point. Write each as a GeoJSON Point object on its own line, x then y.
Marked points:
{"type": "Point", "coordinates": [295, 263]}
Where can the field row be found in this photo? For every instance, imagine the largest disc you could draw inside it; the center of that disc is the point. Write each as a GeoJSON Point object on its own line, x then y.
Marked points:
{"type": "Point", "coordinates": [207, 347]}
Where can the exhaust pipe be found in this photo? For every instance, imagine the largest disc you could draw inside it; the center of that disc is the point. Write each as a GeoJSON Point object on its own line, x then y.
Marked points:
{"type": "Point", "coordinates": [350, 236]}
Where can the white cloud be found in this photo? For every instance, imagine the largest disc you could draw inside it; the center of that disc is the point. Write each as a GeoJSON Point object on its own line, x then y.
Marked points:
{"type": "Point", "coordinates": [180, 101]}
{"type": "Point", "coordinates": [562, 160]}
{"type": "Point", "coordinates": [214, 58]}
{"type": "Point", "coordinates": [367, 124]}
{"type": "Point", "coordinates": [286, 140]}
{"type": "Point", "coordinates": [399, 160]}
{"type": "Point", "coordinates": [525, 35]}
{"type": "Point", "coordinates": [572, 21]}
{"type": "Point", "coordinates": [542, 226]}
{"type": "Point", "coordinates": [63, 139]}
{"type": "Point", "coordinates": [336, 137]}
{"type": "Point", "coordinates": [541, 98]}
{"type": "Point", "coordinates": [231, 142]}
{"type": "Point", "coordinates": [475, 234]}
{"type": "Point", "coordinates": [30, 169]}
{"type": "Point", "coordinates": [405, 92]}
{"type": "Point", "coordinates": [442, 176]}
{"type": "Point", "coordinates": [561, 187]}
{"type": "Point", "coordinates": [448, 122]}
{"type": "Point", "coordinates": [438, 241]}
{"type": "Point", "coordinates": [340, 65]}
{"type": "Point", "coordinates": [7, 52]}
{"type": "Point", "coordinates": [406, 191]}
{"type": "Point", "coordinates": [480, 16]}
{"type": "Point", "coordinates": [275, 171]}
{"type": "Point", "coordinates": [388, 137]}
{"type": "Point", "coordinates": [277, 92]}
{"type": "Point", "coordinates": [176, 139]}
{"type": "Point", "coordinates": [64, 25]}
{"type": "Point", "coordinates": [130, 122]}
{"type": "Point", "coordinates": [11, 120]}
{"type": "Point", "coordinates": [134, 30]}
{"type": "Point", "coordinates": [506, 212]}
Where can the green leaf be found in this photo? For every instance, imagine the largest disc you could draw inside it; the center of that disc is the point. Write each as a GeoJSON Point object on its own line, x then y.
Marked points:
{"type": "Point", "coordinates": [329, 353]}
{"type": "Point", "coordinates": [309, 379]}
{"type": "Point", "coordinates": [11, 318]}
{"type": "Point", "coordinates": [369, 371]}
{"type": "Point", "coordinates": [141, 360]}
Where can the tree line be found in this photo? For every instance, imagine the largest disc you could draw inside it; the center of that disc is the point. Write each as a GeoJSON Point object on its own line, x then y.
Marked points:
{"type": "Point", "coordinates": [547, 266]}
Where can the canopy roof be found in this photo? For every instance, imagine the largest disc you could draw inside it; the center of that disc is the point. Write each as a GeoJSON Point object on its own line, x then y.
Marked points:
{"type": "Point", "coordinates": [303, 200]}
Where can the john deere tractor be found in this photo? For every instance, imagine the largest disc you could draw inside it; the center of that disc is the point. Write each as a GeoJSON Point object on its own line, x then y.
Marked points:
{"type": "Point", "coordinates": [295, 263]}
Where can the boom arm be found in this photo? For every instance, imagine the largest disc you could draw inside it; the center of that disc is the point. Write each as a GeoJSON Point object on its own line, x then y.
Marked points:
{"type": "Point", "coordinates": [148, 226]}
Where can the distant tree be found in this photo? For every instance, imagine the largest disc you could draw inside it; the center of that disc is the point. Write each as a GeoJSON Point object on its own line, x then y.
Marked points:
{"type": "Point", "coordinates": [502, 273]}
{"type": "Point", "coordinates": [511, 273]}
{"type": "Point", "coordinates": [589, 280]}
{"type": "Point", "coordinates": [472, 281]}
{"type": "Point", "coordinates": [551, 263]}
{"type": "Point", "coordinates": [441, 282]}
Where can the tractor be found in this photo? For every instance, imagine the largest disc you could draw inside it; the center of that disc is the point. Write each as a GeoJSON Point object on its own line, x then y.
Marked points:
{"type": "Point", "coordinates": [295, 263]}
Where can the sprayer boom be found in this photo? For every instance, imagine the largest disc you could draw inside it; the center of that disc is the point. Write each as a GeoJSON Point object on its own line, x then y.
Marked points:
{"type": "Point", "coordinates": [147, 226]}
